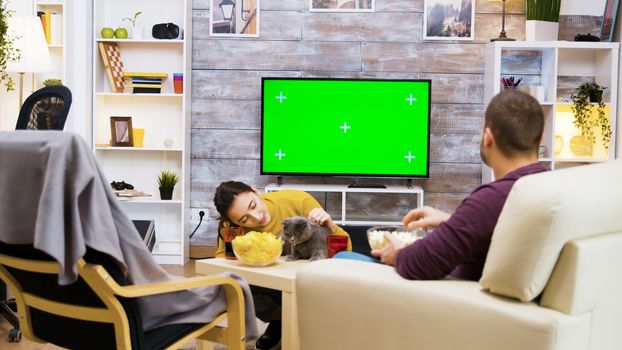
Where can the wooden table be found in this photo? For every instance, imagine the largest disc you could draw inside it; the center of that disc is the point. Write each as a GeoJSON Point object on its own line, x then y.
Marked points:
{"type": "Point", "coordinates": [280, 276]}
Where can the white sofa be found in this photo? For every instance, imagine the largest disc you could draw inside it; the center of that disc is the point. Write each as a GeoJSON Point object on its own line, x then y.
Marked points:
{"type": "Point", "coordinates": [552, 280]}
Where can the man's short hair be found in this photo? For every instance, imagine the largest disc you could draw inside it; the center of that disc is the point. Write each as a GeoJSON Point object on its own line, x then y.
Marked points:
{"type": "Point", "coordinates": [516, 120]}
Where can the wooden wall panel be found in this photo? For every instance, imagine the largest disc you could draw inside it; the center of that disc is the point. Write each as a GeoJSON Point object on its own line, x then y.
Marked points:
{"type": "Point", "coordinates": [385, 44]}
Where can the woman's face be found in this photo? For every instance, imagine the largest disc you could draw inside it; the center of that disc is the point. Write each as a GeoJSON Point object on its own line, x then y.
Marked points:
{"type": "Point", "coordinates": [249, 210]}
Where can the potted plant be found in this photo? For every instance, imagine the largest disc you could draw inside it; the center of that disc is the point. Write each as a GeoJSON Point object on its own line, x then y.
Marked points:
{"type": "Point", "coordinates": [8, 53]}
{"type": "Point", "coordinates": [582, 101]}
{"type": "Point", "coordinates": [542, 19]}
{"type": "Point", "coordinates": [137, 30]}
{"type": "Point", "coordinates": [52, 82]}
{"type": "Point", "coordinates": [166, 182]}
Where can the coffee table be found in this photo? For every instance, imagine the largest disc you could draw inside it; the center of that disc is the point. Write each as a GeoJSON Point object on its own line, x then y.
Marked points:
{"type": "Point", "coordinates": [280, 276]}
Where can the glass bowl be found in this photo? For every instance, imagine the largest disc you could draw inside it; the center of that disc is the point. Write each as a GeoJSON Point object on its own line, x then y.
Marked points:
{"type": "Point", "coordinates": [257, 252]}
{"type": "Point", "coordinates": [377, 240]}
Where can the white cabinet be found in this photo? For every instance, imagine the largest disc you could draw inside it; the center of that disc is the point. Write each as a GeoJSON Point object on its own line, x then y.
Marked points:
{"type": "Point", "coordinates": [556, 68]}
{"type": "Point", "coordinates": [165, 117]}
{"type": "Point", "coordinates": [344, 190]}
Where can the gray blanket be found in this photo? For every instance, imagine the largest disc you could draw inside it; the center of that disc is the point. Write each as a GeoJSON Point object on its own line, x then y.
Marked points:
{"type": "Point", "coordinates": [55, 196]}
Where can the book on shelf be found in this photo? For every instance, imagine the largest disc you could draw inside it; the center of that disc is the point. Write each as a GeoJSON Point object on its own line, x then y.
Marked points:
{"type": "Point", "coordinates": [131, 193]}
{"type": "Point", "coordinates": [146, 230]}
{"type": "Point", "coordinates": [145, 74]}
{"type": "Point", "coordinates": [142, 90]}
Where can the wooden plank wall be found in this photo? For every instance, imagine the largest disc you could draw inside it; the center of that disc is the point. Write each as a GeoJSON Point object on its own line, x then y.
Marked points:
{"type": "Point", "coordinates": [293, 42]}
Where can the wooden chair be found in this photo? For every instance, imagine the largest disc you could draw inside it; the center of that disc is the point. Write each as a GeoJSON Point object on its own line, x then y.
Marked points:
{"type": "Point", "coordinates": [99, 310]}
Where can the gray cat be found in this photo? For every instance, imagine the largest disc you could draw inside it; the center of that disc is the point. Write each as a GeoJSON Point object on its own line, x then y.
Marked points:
{"type": "Point", "coordinates": [304, 239]}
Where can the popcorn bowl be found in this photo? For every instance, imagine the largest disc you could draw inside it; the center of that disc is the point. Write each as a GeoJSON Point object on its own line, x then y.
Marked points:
{"type": "Point", "coordinates": [257, 248]}
{"type": "Point", "coordinates": [377, 240]}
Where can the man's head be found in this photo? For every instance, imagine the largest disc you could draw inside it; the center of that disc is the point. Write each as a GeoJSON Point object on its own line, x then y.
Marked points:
{"type": "Point", "coordinates": [513, 125]}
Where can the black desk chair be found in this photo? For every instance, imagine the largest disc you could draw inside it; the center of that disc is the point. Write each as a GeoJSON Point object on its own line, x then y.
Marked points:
{"type": "Point", "coordinates": [45, 109]}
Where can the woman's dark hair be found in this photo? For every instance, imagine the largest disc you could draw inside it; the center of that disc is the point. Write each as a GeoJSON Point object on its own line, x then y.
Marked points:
{"type": "Point", "coordinates": [516, 120]}
{"type": "Point", "coordinates": [224, 196]}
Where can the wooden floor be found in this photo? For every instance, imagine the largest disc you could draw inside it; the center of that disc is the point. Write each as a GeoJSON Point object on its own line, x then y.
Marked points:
{"type": "Point", "coordinates": [186, 271]}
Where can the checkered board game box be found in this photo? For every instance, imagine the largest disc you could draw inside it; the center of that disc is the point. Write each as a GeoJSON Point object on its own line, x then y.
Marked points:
{"type": "Point", "coordinates": [114, 66]}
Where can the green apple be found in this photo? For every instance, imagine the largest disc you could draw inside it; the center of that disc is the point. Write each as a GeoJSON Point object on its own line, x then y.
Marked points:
{"type": "Point", "coordinates": [107, 33]}
{"type": "Point", "coordinates": [120, 33]}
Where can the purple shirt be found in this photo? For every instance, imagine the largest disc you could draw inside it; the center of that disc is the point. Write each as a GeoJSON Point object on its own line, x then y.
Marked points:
{"type": "Point", "coordinates": [459, 245]}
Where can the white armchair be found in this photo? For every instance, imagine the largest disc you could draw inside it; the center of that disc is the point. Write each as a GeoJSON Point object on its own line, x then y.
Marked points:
{"type": "Point", "coordinates": [552, 280]}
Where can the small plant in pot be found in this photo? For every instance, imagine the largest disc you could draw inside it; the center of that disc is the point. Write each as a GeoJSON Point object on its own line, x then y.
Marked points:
{"type": "Point", "coordinates": [542, 19]}
{"type": "Point", "coordinates": [582, 101]}
{"type": "Point", "coordinates": [166, 182]}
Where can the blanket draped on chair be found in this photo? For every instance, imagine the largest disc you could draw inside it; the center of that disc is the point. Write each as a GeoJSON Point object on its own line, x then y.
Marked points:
{"type": "Point", "coordinates": [54, 195]}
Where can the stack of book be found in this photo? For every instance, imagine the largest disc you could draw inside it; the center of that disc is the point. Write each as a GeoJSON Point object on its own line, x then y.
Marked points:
{"type": "Point", "coordinates": [143, 82]}
{"type": "Point", "coordinates": [52, 27]}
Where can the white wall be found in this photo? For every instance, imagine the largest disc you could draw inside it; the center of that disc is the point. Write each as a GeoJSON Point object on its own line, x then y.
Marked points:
{"type": "Point", "coordinates": [582, 7]}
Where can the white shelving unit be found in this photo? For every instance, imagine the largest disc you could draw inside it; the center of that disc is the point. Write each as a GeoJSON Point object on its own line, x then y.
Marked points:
{"type": "Point", "coordinates": [164, 116]}
{"type": "Point", "coordinates": [57, 47]}
{"type": "Point", "coordinates": [344, 190]}
{"type": "Point", "coordinates": [559, 67]}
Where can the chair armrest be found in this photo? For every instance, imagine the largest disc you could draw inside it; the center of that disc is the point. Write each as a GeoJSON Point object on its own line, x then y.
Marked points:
{"type": "Point", "coordinates": [146, 289]}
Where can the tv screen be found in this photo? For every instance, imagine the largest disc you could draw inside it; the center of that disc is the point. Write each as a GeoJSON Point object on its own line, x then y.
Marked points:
{"type": "Point", "coordinates": [345, 127]}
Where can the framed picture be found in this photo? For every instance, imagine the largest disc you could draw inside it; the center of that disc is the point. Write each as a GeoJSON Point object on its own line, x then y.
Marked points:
{"type": "Point", "coordinates": [448, 20]}
{"type": "Point", "coordinates": [121, 131]}
{"type": "Point", "coordinates": [341, 5]}
{"type": "Point", "coordinates": [609, 20]}
{"type": "Point", "coordinates": [234, 18]}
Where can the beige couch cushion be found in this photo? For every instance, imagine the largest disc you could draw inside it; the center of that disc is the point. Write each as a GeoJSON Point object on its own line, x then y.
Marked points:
{"type": "Point", "coordinates": [542, 213]}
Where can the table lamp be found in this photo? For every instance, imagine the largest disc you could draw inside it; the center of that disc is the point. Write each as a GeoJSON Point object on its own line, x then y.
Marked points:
{"type": "Point", "coordinates": [502, 36]}
{"type": "Point", "coordinates": [30, 41]}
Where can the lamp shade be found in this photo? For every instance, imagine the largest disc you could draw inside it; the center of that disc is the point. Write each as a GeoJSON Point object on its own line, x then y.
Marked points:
{"type": "Point", "coordinates": [30, 41]}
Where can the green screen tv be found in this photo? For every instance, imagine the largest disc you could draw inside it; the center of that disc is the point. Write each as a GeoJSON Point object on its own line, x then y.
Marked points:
{"type": "Point", "coordinates": [345, 127]}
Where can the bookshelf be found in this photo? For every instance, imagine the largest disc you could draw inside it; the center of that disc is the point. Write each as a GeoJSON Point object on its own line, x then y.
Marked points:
{"type": "Point", "coordinates": [165, 117]}
{"type": "Point", "coordinates": [56, 45]}
{"type": "Point", "coordinates": [558, 67]}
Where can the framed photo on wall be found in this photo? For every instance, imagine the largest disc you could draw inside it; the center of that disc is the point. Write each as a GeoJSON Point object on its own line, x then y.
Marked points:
{"type": "Point", "coordinates": [609, 20]}
{"type": "Point", "coordinates": [234, 18]}
{"type": "Point", "coordinates": [448, 20]}
{"type": "Point", "coordinates": [121, 132]}
{"type": "Point", "coordinates": [341, 5]}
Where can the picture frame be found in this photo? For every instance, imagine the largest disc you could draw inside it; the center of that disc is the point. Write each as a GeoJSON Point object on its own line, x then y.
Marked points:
{"type": "Point", "coordinates": [448, 20]}
{"type": "Point", "coordinates": [234, 18]}
{"type": "Point", "coordinates": [607, 27]}
{"type": "Point", "coordinates": [121, 132]}
{"type": "Point", "coordinates": [342, 5]}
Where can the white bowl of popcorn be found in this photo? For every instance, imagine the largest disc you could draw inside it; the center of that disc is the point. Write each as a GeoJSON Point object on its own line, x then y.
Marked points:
{"type": "Point", "coordinates": [377, 240]}
{"type": "Point", "coordinates": [257, 248]}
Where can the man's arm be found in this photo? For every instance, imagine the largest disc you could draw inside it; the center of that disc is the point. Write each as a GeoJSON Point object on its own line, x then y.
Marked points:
{"type": "Point", "coordinates": [463, 238]}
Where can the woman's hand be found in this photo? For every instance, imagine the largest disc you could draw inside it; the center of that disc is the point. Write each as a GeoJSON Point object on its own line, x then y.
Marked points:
{"type": "Point", "coordinates": [320, 216]}
{"type": "Point", "coordinates": [425, 217]}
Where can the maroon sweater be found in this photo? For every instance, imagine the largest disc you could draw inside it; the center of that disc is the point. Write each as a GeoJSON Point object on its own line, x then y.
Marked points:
{"type": "Point", "coordinates": [459, 245]}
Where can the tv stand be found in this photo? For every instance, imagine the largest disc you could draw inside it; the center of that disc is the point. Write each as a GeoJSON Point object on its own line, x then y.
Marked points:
{"type": "Point", "coordinates": [344, 189]}
{"type": "Point", "coordinates": [367, 186]}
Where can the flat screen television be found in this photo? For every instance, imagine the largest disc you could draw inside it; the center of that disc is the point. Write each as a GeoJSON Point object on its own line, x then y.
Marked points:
{"type": "Point", "coordinates": [345, 127]}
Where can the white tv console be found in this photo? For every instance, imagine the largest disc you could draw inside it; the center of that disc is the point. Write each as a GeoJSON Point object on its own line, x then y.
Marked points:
{"type": "Point", "coordinates": [343, 189]}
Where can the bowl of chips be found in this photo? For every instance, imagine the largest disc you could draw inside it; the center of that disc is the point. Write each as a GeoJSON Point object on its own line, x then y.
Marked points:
{"type": "Point", "coordinates": [257, 248]}
{"type": "Point", "coordinates": [377, 240]}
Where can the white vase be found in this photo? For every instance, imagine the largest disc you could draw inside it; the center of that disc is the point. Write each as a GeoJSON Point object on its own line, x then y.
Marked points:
{"type": "Point", "coordinates": [138, 32]}
{"type": "Point", "coordinates": [541, 30]}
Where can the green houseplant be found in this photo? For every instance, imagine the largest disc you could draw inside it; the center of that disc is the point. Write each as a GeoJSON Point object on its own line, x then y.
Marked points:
{"type": "Point", "coordinates": [137, 30]}
{"type": "Point", "coordinates": [8, 53]}
{"type": "Point", "coordinates": [582, 102]}
{"type": "Point", "coordinates": [51, 82]}
{"type": "Point", "coordinates": [542, 19]}
{"type": "Point", "coordinates": [166, 182]}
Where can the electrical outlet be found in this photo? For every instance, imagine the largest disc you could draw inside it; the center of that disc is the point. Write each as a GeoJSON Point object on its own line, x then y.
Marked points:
{"type": "Point", "coordinates": [195, 218]}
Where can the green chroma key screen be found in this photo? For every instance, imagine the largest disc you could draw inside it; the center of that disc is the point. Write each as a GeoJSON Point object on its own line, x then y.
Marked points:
{"type": "Point", "coordinates": [376, 128]}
